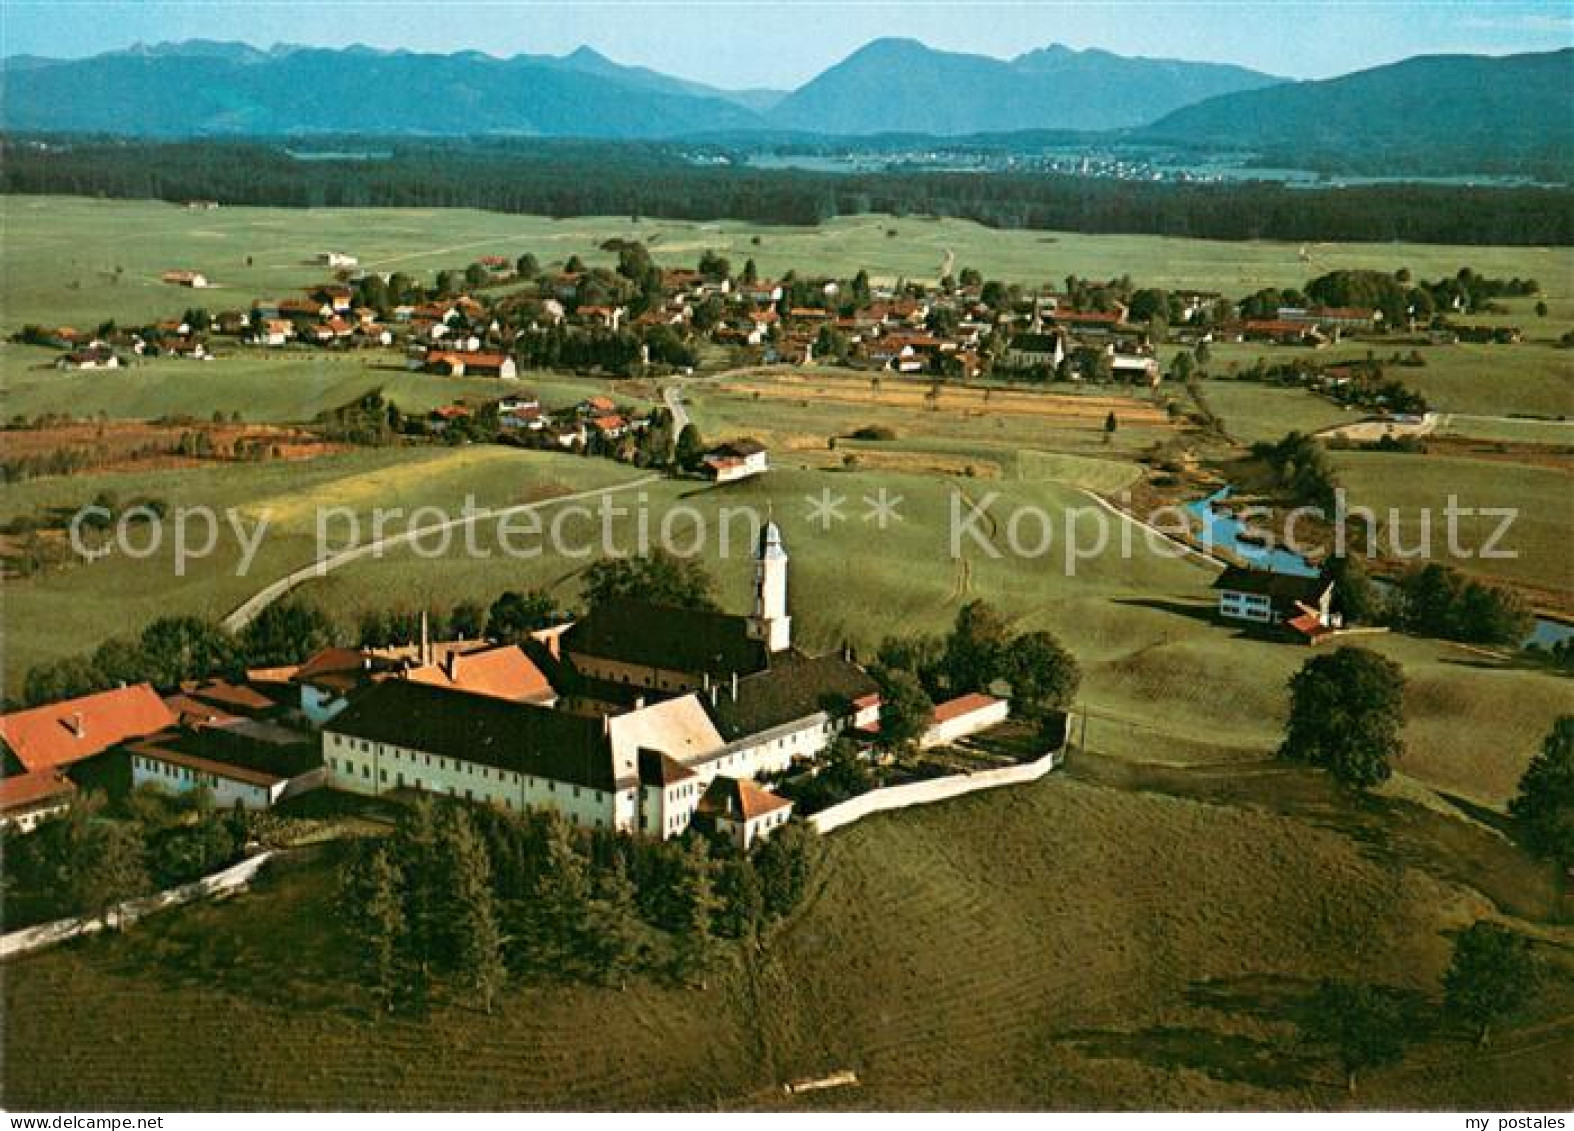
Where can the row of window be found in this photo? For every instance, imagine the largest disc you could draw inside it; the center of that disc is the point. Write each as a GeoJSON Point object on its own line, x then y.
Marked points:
{"type": "Point", "coordinates": [178, 773]}
{"type": "Point", "coordinates": [398, 756]}
{"type": "Point", "coordinates": [351, 768]}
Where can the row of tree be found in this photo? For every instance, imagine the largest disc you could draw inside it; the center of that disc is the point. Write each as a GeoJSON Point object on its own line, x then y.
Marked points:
{"type": "Point", "coordinates": [588, 178]}
{"type": "Point", "coordinates": [473, 898]}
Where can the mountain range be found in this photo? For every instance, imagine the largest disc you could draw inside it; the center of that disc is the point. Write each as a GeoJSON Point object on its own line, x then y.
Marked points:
{"type": "Point", "coordinates": [1444, 113]}
{"type": "Point", "coordinates": [900, 85]}
{"type": "Point", "coordinates": [201, 87]}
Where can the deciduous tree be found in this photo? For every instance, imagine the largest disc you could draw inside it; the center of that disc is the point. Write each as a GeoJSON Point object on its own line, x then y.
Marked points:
{"type": "Point", "coordinates": [1491, 977]}
{"type": "Point", "coordinates": [1346, 711]}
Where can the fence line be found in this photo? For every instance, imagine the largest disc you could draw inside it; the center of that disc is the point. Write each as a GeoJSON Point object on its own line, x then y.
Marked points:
{"type": "Point", "coordinates": [927, 792]}
{"type": "Point", "coordinates": [223, 882]}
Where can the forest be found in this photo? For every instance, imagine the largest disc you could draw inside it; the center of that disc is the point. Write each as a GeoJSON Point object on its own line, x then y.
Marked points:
{"type": "Point", "coordinates": [564, 178]}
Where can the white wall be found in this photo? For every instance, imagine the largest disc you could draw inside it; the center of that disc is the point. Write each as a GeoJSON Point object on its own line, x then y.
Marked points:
{"type": "Point", "coordinates": [183, 779]}
{"type": "Point", "coordinates": [963, 725]}
{"type": "Point", "coordinates": [927, 792]}
{"type": "Point", "coordinates": [361, 766]}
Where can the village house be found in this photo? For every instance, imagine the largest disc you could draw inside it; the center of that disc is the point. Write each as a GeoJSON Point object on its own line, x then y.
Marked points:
{"type": "Point", "coordinates": [336, 259]}
{"type": "Point", "coordinates": [93, 357]}
{"type": "Point", "coordinates": [666, 703]}
{"type": "Point", "coordinates": [406, 736]}
{"type": "Point", "coordinates": [252, 765]}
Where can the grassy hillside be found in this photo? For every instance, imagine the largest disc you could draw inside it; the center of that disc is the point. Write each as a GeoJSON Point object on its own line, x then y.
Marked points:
{"type": "Point", "coordinates": [1010, 950]}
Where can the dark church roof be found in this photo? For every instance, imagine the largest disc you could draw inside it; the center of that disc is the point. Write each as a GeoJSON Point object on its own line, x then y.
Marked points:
{"type": "Point", "coordinates": [795, 687]}
{"type": "Point", "coordinates": [694, 641]}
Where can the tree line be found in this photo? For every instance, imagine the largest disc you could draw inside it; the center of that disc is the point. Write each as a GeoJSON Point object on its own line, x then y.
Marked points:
{"type": "Point", "coordinates": [564, 178]}
{"type": "Point", "coordinates": [471, 899]}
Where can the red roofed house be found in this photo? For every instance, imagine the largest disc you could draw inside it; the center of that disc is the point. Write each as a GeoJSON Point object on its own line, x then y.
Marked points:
{"type": "Point", "coordinates": [966, 715]}
{"type": "Point", "coordinates": [740, 810]}
{"type": "Point", "coordinates": [736, 460]}
{"type": "Point", "coordinates": [456, 364]}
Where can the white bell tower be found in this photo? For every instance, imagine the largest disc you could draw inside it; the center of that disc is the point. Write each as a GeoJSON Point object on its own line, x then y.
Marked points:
{"type": "Point", "coordinates": [771, 622]}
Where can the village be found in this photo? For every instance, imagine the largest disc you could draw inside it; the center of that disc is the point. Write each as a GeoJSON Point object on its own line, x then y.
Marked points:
{"type": "Point", "coordinates": [496, 318]}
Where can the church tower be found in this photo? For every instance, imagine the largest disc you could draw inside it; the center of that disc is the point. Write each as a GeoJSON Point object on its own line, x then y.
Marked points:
{"type": "Point", "coordinates": [771, 622]}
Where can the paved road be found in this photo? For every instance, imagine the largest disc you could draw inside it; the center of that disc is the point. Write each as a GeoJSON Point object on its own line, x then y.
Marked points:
{"type": "Point", "coordinates": [254, 604]}
{"type": "Point", "coordinates": [672, 397]}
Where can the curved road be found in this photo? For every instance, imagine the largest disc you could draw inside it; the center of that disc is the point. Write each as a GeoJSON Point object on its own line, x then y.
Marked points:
{"type": "Point", "coordinates": [254, 604]}
{"type": "Point", "coordinates": [672, 397]}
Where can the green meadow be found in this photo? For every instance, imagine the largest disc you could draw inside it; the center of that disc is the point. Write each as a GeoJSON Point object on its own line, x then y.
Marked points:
{"type": "Point", "coordinates": [264, 387]}
{"type": "Point", "coordinates": [76, 261]}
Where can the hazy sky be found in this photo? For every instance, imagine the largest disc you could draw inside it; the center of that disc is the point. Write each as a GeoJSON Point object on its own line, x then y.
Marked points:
{"type": "Point", "coordinates": [784, 42]}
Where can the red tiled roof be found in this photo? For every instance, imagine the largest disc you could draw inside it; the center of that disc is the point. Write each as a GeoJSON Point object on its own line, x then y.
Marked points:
{"type": "Point", "coordinates": [502, 673]}
{"type": "Point", "coordinates": [23, 791]}
{"type": "Point", "coordinates": [737, 798]}
{"type": "Point", "coordinates": [963, 705]}
{"type": "Point", "coordinates": [59, 734]}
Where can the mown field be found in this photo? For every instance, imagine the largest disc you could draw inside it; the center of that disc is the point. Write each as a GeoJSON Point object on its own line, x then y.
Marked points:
{"type": "Point", "coordinates": [1410, 494]}
{"type": "Point", "coordinates": [1532, 378]}
{"type": "Point", "coordinates": [1060, 962]}
{"type": "Point", "coordinates": [75, 261]}
{"type": "Point", "coordinates": [273, 387]}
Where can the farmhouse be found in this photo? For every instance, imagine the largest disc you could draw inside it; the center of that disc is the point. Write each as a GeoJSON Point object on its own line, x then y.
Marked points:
{"type": "Point", "coordinates": [186, 279]}
{"type": "Point", "coordinates": [27, 799]}
{"type": "Point", "coordinates": [336, 259]}
{"type": "Point", "coordinates": [93, 357]}
{"type": "Point", "coordinates": [1258, 596]}
{"type": "Point", "coordinates": [328, 681]}
{"type": "Point", "coordinates": [739, 459]}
